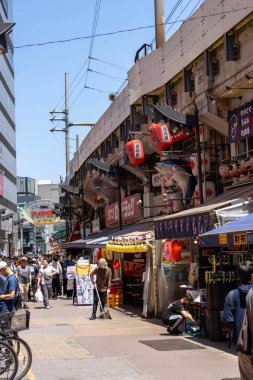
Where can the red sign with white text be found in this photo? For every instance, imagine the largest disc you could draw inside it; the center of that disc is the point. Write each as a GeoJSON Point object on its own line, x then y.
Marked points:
{"type": "Point", "coordinates": [130, 210]}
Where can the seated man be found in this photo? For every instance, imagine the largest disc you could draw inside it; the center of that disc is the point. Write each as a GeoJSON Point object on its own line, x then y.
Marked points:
{"type": "Point", "coordinates": [176, 313]}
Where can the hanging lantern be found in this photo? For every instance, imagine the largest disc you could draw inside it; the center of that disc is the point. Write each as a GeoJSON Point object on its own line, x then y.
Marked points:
{"type": "Point", "coordinates": [173, 250]}
{"type": "Point", "coordinates": [160, 136]}
{"type": "Point", "coordinates": [248, 162]}
{"type": "Point", "coordinates": [223, 171]}
{"type": "Point", "coordinates": [135, 152]}
{"type": "Point", "coordinates": [116, 264]}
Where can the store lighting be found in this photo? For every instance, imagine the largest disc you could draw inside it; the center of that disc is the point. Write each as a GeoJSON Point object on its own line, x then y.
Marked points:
{"type": "Point", "coordinates": [250, 79]}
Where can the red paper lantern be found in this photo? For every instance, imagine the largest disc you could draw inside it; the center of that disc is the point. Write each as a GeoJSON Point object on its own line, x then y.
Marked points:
{"type": "Point", "coordinates": [173, 250]}
{"type": "Point", "coordinates": [161, 136]}
{"type": "Point", "coordinates": [116, 264]}
{"type": "Point", "coordinates": [135, 152]}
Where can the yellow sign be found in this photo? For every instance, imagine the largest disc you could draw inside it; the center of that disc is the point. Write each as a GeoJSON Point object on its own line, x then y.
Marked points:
{"type": "Point", "coordinates": [83, 269]}
{"type": "Point", "coordinates": [240, 238]}
{"type": "Point", "coordinates": [127, 248]}
{"type": "Point", "coordinates": [223, 239]}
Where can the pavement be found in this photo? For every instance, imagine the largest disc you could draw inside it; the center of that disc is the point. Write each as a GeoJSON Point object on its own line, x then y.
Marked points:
{"type": "Point", "coordinates": [66, 345]}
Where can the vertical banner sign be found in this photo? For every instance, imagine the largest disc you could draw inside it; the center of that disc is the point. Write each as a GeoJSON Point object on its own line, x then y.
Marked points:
{"type": "Point", "coordinates": [240, 123]}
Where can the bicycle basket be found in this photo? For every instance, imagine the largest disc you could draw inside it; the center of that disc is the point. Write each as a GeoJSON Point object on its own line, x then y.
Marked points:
{"type": "Point", "coordinates": [20, 320]}
{"type": "Point", "coordinates": [5, 320]}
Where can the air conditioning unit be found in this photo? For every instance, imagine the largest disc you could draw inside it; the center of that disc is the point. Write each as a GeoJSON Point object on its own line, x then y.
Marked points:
{"type": "Point", "coordinates": [112, 97]}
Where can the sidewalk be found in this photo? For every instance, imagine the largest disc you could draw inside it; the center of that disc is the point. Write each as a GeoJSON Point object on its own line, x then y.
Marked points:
{"type": "Point", "coordinates": [66, 345]}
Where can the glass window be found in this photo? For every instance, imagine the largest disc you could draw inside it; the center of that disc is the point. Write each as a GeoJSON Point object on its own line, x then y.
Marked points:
{"type": "Point", "coordinates": [242, 146]}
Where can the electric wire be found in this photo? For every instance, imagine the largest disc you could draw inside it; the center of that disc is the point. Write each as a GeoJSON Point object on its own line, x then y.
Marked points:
{"type": "Point", "coordinates": [110, 63]}
{"type": "Point", "coordinates": [131, 29]}
{"type": "Point", "coordinates": [105, 75]}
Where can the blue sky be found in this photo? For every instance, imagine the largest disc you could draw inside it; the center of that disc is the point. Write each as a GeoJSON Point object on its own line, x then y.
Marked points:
{"type": "Point", "coordinates": [40, 71]}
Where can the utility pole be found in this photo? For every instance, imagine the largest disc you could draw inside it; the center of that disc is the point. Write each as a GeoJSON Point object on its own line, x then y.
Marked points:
{"type": "Point", "coordinates": [159, 23]}
{"type": "Point", "coordinates": [68, 124]}
{"type": "Point", "coordinates": [67, 120]}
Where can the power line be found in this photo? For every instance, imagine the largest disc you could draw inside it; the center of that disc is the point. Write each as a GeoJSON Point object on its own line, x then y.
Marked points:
{"type": "Point", "coordinates": [105, 75]}
{"type": "Point", "coordinates": [130, 29]}
{"type": "Point", "coordinates": [110, 63]}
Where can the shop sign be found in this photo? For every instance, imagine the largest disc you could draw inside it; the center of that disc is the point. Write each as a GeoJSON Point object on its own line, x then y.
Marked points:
{"type": "Point", "coordinates": [242, 248]}
{"type": "Point", "coordinates": [183, 227]}
{"type": "Point", "coordinates": [129, 208]}
{"type": "Point", "coordinates": [223, 239]}
{"type": "Point", "coordinates": [5, 6]}
{"type": "Point", "coordinates": [240, 238]}
{"type": "Point", "coordinates": [240, 123]}
{"type": "Point", "coordinates": [157, 180]}
{"type": "Point", "coordinates": [41, 212]}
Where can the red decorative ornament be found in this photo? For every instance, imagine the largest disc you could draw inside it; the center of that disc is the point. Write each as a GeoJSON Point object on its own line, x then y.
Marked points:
{"type": "Point", "coordinates": [160, 135]}
{"type": "Point", "coordinates": [116, 264]}
{"type": "Point", "coordinates": [135, 152]}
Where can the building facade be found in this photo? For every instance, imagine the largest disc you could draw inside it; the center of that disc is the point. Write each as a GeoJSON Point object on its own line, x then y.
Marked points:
{"type": "Point", "coordinates": [209, 73]}
{"type": "Point", "coordinates": [8, 187]}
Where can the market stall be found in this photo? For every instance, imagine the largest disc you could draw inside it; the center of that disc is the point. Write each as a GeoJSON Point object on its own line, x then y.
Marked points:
{"type": "Point", "coordinates": [133, 268]}
{"type": "Point", "coordinates": [221, 249]}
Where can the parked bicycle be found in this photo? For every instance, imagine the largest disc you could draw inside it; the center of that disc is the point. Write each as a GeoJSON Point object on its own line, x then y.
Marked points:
{"type": "Point", "coordinates": [19, 356]}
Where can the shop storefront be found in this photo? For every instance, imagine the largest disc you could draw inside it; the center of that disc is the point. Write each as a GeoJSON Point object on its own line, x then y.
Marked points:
{"type": "Point", "coordinates": [176, 246]}
{"type": "Point", "coordinates": [220, 251]}
{"type": "Point", "coordinates": [133, 271]}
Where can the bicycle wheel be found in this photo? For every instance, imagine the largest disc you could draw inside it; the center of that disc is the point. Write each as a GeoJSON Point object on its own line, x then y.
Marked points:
{"type": "Point", "coordinates": [8, 362]}
{"type": "Point", "coordinates": [24, 355]}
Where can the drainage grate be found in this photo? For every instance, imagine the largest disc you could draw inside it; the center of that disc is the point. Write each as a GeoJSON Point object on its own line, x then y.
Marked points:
{"type": "Point", "coordinates": [171, 345]}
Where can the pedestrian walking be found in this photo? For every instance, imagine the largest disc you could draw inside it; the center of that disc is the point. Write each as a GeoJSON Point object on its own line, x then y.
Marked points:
{"type": "Point", "coordinates": [235, 302]}
{"type": "Point", "coordinates": [34, 269]}
{"type": "Point", "coordinates": [46, 274]}
{"type": "Point", "coordinates": [245, 341]}
{"type": "Point", "coordinates": [56, 280]}
{"type": "Point", "coordinates": [10, 290]}
{"type": "Point", "coordinates": [24, 279]}
{"type": "Point", "coordinates": [103, 282]}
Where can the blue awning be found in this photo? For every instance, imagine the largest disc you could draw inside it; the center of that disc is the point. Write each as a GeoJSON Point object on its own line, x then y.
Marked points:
{"type": "Point", "coordinates": [240, 225]}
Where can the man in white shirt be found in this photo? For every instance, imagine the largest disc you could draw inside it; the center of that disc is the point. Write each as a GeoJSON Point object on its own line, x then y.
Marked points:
{"type": "Point", "coordinates": [46, 274]}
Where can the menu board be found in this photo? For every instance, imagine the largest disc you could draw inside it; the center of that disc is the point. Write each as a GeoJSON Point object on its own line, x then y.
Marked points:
{"type": "Point", "coordinates": [84, 286]}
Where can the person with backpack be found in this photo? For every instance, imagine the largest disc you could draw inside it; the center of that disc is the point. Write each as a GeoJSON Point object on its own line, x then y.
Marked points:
{"type": "Point", "coordinates": [34, 269]}
{"type": "Point", "coordinates": [235, 302]}
{"type": "Point", "coordinates": [24, 276]}
{"type": "Point", "coordinates": [10, 291]}
{"type": "Point", "coordinates": [245, 341]}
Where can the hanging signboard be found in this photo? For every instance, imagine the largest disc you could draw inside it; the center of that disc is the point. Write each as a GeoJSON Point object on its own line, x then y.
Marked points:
{"type": "Point", "coordinates": [223, 239]}
{"type": "Point", "coordinates": [240, 123]}
{"type": "Point", "coordinates": [240, 238]}
{"type": "Point", "coordinates": [41, 212]}
{"type": "Point", "coordinates": [235, 249]}
{"type": "Point", "coordinates": [129, 207]}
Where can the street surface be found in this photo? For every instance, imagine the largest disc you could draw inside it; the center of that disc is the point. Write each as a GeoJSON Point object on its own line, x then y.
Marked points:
{"type": "Point", "coordinates": [66, 345]}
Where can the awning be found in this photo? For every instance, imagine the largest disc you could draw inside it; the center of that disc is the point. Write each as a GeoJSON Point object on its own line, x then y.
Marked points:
{"type": "Point", "coordinates": [186, 224]}
{"type": "Point", "coordinates": [174, 115]}
{"type": "Point", "coordinates": [132, 242]}
{"type": "Point", "coordinates": [198, 220]}
{"type": "Point", "coordinates": [229, 233]}
{"type": "Point", "coordinates": [100, 239]}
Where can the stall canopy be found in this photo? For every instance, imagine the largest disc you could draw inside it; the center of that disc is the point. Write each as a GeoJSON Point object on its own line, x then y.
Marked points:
{"type": "Point", "coordinates": [233, 233]}
{"type": "Point", "coordinates": [102, 238]}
